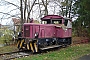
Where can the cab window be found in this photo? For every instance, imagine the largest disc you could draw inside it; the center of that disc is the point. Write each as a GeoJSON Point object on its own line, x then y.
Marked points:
{"type": "Point", "coordinates": [65, 22]}
{"type": "Point", "coordinates": [56, 21]}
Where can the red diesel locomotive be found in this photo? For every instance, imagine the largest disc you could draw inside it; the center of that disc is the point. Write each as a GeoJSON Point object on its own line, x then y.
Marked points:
{"type": "Point", "coordinates": [54, 31]}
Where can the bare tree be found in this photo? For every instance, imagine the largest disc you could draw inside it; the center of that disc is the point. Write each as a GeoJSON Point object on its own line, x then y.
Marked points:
{"type": "Point", "coordinates": [26, 7]}
{"type": "Point", "coordinates": [45, 5]}
{"type": "Point", "coordinates": [21, 9]}
{"type": "Point", "coordinates": [67, 4]}
{"type": "Point", "coordinates": [7, 15]}
{"type": "Point", "coordinates": [65, 7]}
{"type": "Point", "coordinates": [30, 10]}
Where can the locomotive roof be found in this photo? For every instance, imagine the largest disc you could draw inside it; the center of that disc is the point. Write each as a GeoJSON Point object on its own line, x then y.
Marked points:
{"type": "Point", "coordinates": [40, 24]}
{"type": "Point", "coordinates": [49, 17]}
{"type": "Point", "coordinates": [67, 18]}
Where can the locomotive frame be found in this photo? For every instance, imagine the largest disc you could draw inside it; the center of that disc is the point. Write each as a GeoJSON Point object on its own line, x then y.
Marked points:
{"type": "Point", "coordinates": [55, 33]}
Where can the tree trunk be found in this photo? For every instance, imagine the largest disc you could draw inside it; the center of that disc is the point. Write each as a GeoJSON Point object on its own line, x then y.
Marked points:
{"type": "Point", "coordinates": [21, 9]}
{"type": "Point", "coordinates": [25, 10]}
{"type": "Point", "coordinates": [30, 10]}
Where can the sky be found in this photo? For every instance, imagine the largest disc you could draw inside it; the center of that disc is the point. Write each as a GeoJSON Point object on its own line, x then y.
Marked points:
{"type": "Point", "coordinates": [35, 14]}
{"type": "Point", "coordinates": [7, 8]}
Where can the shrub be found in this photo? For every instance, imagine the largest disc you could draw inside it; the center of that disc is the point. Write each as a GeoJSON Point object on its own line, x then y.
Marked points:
{"type": "Point", "coordinates": [6, 37]}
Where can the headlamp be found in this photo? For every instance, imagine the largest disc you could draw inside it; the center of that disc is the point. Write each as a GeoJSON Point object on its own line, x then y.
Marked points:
{"type": "Point", "coordinates": [36, 35]}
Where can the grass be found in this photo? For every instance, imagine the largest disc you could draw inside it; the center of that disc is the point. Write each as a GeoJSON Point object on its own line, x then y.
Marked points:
{"type": "Point", "coordinates": [10, 48]}
{"type": "Point", "coordinates": [1, 41]}
{"type": "Point", "coordinates": [69, 53]}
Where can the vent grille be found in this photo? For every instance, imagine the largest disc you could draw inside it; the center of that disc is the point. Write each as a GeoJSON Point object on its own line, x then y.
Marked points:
{"type": "Point", "coordinates": [26, 31]}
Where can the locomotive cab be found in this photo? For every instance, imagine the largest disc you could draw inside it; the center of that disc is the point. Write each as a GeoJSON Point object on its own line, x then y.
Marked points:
{"type": "Point", "coordinates": [54, 19]}
{"type": "Point", "coordinates": [63, 28]}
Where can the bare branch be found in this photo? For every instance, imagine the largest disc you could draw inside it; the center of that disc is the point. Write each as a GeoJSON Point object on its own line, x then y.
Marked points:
{"type": "Point", "coordinates": [13, 4]}
{"type": "Point", "coordinates": [12, 10]}
{"type": "Point", "coordinates": [31, 9]}
{"type": "Point", "coordinates": [45, 5]}
{"type": "Point", "coordinates": [5, 13]}
{"type": "Point", "coordinates": [16, 15]}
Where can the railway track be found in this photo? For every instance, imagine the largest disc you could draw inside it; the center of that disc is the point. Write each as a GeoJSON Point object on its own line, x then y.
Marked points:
{"type": "Point", "coordinates": [18, 54]}
{"type": "Point", "coordinates": [13, 55]}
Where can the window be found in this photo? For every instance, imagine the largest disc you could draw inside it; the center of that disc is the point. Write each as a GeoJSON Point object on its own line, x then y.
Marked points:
{"type": "Point", "coordinates": [65, 22]}
{"type": "Point", "coordinates": [56, 21]}
{"type": "Point", "coordinates": [46, 22]}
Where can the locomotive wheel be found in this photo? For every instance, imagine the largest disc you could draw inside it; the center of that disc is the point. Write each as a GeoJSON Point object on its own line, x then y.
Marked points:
{"type": "Point", "coordinates": [64, 45]}
{"type": "Point", "coordinates": [20, 49]}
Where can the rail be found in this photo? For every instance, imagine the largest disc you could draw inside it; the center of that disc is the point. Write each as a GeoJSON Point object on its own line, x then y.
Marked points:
{"type": "Point", "coordinates": [13, 55]}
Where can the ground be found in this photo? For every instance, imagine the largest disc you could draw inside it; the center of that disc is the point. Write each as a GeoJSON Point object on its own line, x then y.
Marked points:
{"type": "Point", "coordinates": [72, 52]}
{"type": "Point", "coordinates": [10, 48]}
